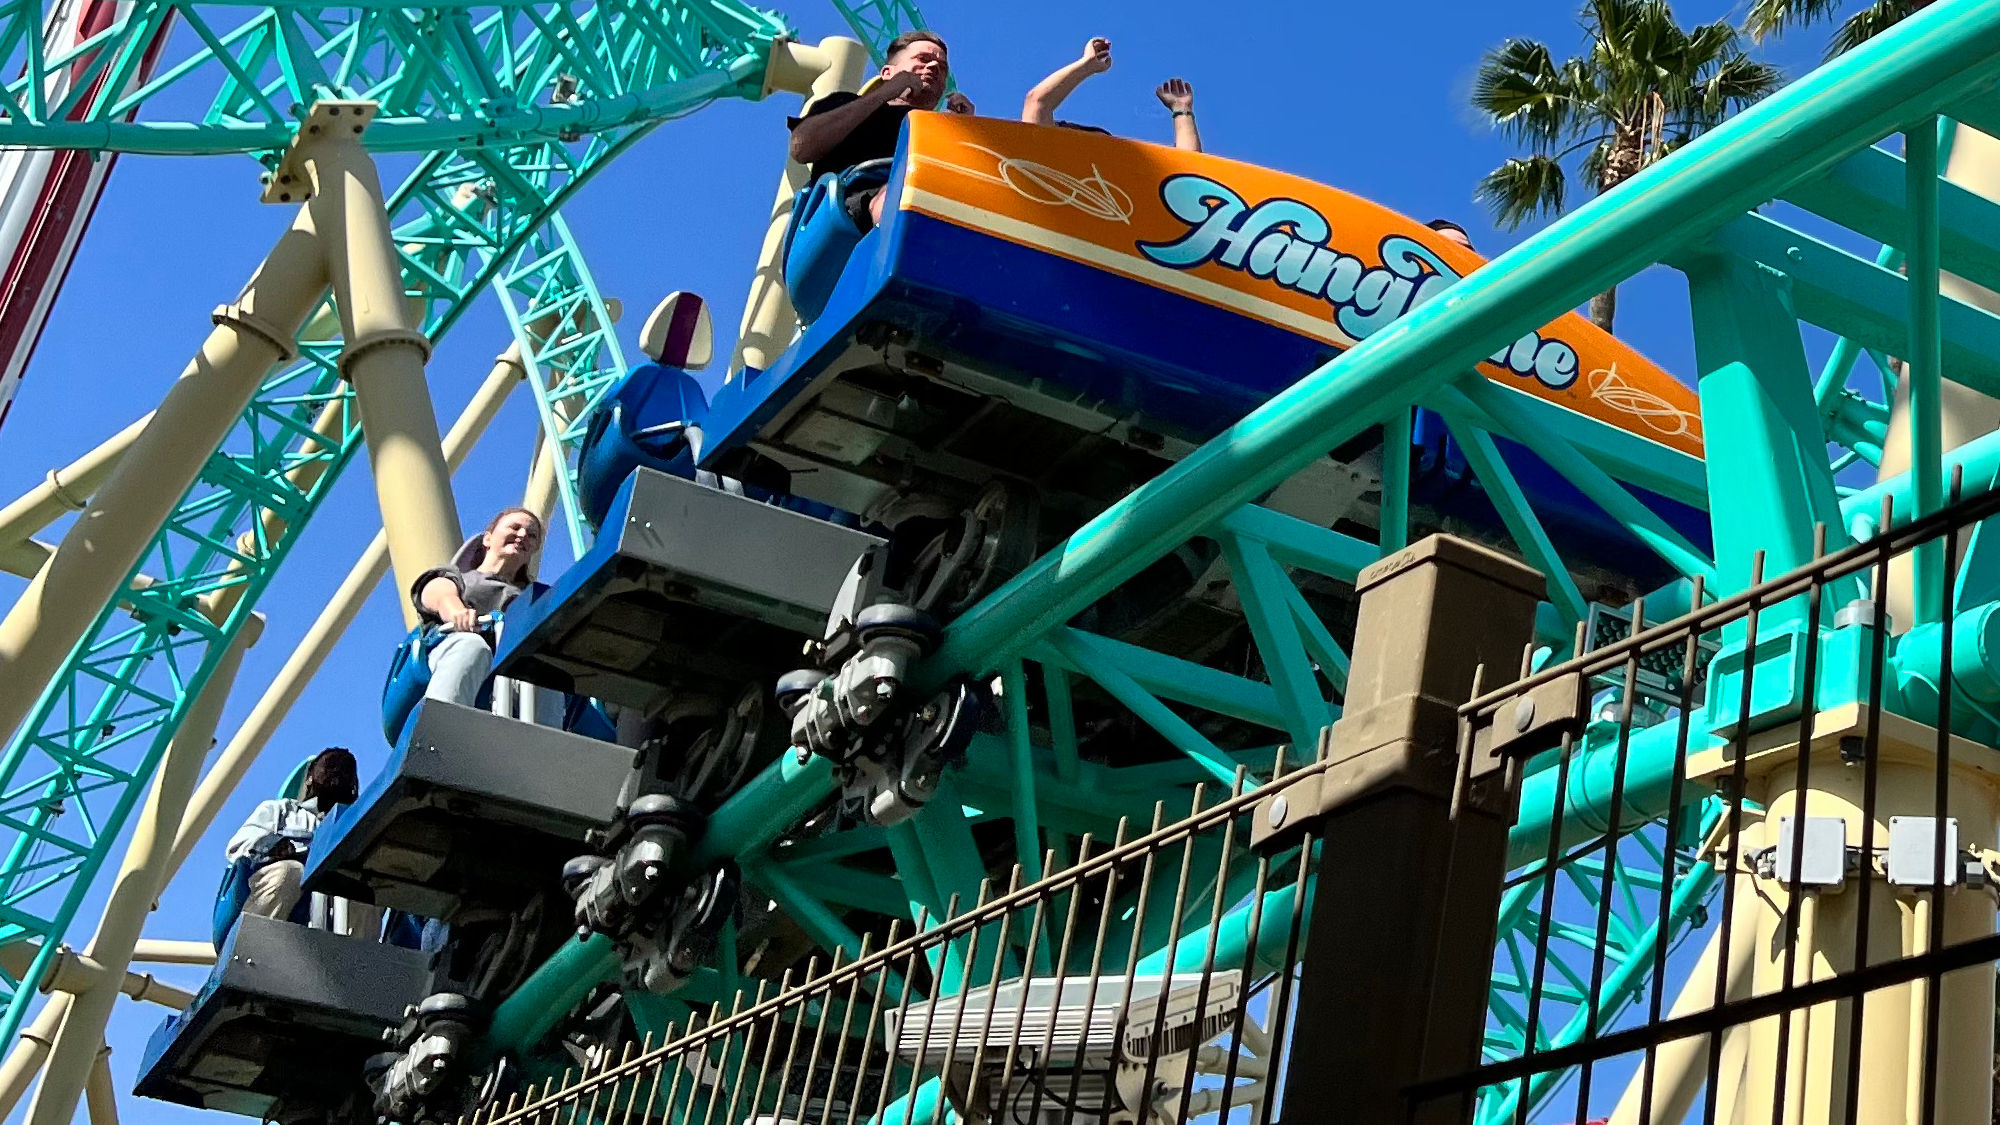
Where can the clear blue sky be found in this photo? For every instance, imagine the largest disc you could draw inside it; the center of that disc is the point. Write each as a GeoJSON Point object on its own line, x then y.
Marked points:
{"type": "Point", "coordinates": [1367, 97]}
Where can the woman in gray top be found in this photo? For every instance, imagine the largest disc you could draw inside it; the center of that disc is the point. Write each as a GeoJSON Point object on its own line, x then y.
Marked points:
{"type": "Point", "coordinates": [488, 572]}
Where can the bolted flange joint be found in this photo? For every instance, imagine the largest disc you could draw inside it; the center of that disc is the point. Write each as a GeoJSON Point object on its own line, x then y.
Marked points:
{"type": "Point", "coordinates": [384, 338]}
{"type": "Point", "coordinates": [238, 317]}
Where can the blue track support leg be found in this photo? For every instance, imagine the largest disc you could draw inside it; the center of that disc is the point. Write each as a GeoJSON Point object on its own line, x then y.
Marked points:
{"type": "Point", "coordinates": [1763, 433]}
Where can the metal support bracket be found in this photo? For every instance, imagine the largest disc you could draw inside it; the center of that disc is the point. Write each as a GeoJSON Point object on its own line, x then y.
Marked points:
{"type": "Point", "coordinates": [1534, 721]}
{"type": "Point", "coordinates": [290, 181]}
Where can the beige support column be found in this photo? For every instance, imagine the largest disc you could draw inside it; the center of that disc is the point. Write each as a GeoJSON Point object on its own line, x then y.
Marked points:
{"type": "Point", "coordinates": [1680, 1067]}
{"type": "Point", "coordinates": [100, 1097]}
{"type": "Point", "coordinates": [1967, 414]}
{"type": "Point", "coordinates": [66, 489]}
{"type": "Point", "coordinates": [133, 894]}
{"type": "Point", "coordinates": [76, 973]}
{"type": "Point", "coordinates": [769, 321]}
{"type": "Point", "coordinates": [326, 631]}
{"type": "Point", "coordinates": [250, 337]}
{"type": "Point", "coordinates": [540, 495]}
{"type": "Point", "coordinates": [26, 558]}
{"type": "Point", "coordinates": [385, 352]}
{"type": "Point", "coordinates": [169, 951]}
{"type": "Point", "coordinates": [1892, 1025]}
{"type": "Point", "coordinates": [25, 1060]}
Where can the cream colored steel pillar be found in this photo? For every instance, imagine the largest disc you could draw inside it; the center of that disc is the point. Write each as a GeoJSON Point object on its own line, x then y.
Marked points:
{"type": "Point", "coordinates": [132, 896]}
{"type": "Point", "coordinates": [26, 558]}
{"type": "Point", "coordinates": [1680, 1067]}
{"type": "Point", "coordinates": [100, 1097]}
{"type": "Point", "coordinates": [384, 352]}
{"type": "Point", "coordinates": [1893, 1021]}
{"type": "Point", "coordinates": [1967, 414]}
{"type": "Point", "coordinates": [171, 951]}
{"type": "Point", "coordinates": [66, 489]}
{"type": "Point", "coordinates": [326, 631]}
{"type": "Point", "coordinates": [769, 321]}
{"type": "Point", "coordinates": [540, 495]}
{"type": "Point", "coordinates": [26, 1058]}
{"type": "Point", "coordinates": [250, 337]}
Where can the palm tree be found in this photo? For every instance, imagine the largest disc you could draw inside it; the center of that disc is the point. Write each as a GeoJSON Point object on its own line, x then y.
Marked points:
{"type": "Point", "coordinates": [1771, 17]}
{"type": "Point", "coordinates": [1642, 87]}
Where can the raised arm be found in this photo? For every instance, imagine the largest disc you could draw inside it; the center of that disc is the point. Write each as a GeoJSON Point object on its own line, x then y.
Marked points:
{"type": "Point", "coordinates": [819, 133]}
{"type": "Point", "coordinates": [1178, 96]}
{"type": "Point", "coordinates": [1041, 103]}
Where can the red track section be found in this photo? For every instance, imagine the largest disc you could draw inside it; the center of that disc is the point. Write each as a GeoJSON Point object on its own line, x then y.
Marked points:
{"type": "Point", "coordinates": [62, 191]}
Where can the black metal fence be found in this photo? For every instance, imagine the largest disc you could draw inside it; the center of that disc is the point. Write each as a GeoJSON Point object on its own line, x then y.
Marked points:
{"type": "Point", "coordinates": [1798, 796]}
{"type": "Point", "coordinates": [1151, 981]}
{"type": "Point", "coordinates": [1830, 772]}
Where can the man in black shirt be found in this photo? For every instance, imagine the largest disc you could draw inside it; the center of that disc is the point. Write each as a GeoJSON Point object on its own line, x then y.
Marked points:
{"type": "Point", "coordinates": [842, 129]}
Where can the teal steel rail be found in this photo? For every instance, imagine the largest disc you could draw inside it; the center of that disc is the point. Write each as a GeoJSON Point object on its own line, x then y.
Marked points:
{"type": "Point", "coordinates": [569, 350]}
{"type": "Point", "coordinates": [1689, 209]}
{"type": "Point", "coordinates": [1818, 128]}
{"type": "Point", "coordinates": [1643, 861]}
{"type": "Point", "coordinates": [466, 218]}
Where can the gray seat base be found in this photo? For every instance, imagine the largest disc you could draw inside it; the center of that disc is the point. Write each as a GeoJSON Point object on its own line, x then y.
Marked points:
{"type": "Point", "coordinates": [284, 1024]}
{"type": "Point", "coordinates": [687, 590]}
{"type": "Point", "coordinates": [472, 811]}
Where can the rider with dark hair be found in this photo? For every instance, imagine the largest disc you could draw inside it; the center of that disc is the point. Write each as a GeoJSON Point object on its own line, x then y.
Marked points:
{"type": "Point", "coordinates": [841, 130]}
{"type": "Point", "coordinates": [1452, 231]}
{"type": "Point", "coordinates": [276, 837]}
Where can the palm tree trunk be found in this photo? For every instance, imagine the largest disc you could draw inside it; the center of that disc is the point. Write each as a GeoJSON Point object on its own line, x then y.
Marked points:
{"type": "Point", "coordinates": [1627, 157]}
{"type": "Point", "coordinates": [1604, 307]}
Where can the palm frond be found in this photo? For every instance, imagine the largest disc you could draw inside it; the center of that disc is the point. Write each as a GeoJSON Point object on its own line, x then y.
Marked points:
{"type": "Point", "coordinates": [1642, 86]}
{"type": "Point", "coordinates": [1520, 88]}
{"type": "Point", "coordinates": [1771, 17]}
{"type": "Point", "coordinates": [1869, 22]}
{"type": "Point", "coordinates": [1735, 84]}
{"type": "Point", "coordinates": [1712, 43]}
{"type": "Point", "coordinates": [1523, 189]}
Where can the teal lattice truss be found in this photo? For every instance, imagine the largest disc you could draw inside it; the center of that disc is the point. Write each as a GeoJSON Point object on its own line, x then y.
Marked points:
{"type": "Point", "coordinates": [569, 347]}
{"type": "Point", "coordinates": [448, 76]}
{"type": "Point", "coordinates": [517, 105]}
{"type": "Point", "coordinates": [877, 22]}
{"type": "Point", "coordinates": [1656, 895]}
{"type": "Point", "coordinates": [1754, 284]}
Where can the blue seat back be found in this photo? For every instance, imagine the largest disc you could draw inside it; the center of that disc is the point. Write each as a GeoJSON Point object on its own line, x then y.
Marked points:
{"type": "Point", "coordinates": [229, 899]}
{"type": "Point", "coordinates": [822, 236]}
{"type": "Point", "coordinates": [409, 676]}
{"type": "Point", "coordinates": [646, 421]}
